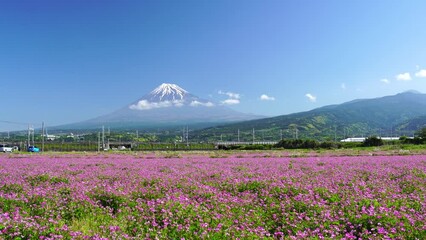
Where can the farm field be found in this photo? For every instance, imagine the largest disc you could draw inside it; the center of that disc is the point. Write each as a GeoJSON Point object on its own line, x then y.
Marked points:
{"type": "Point", "coordinates": [210, 195]}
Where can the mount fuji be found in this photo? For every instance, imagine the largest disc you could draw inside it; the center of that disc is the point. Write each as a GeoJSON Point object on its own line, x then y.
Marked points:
{"type": "Point", "coordinates": [168, 105]}
{"type": "Point", "coordinates": [169, 95]}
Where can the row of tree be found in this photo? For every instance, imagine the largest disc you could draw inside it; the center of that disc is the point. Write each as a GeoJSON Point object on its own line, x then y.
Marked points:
{"type": "Point", "coordinates": [368, 142]}
{"type": "Point", "coordinates": [376, 141]}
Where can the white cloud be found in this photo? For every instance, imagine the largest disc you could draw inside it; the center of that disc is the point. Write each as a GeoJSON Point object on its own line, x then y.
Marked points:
{"type": "Point", "coordinates": [233, 98]}
{"type": "Point", "coordinates": [343, 86]}
{"type": "Point", "coordinates": [196, 103]}
{"type": "Point", "coordinates": [403, 77]}
{"type": "Point", "coordinates": [146, 105]}
{"type": "Point", "coordinates": [265, 97]}
{"type": "Point", "coordinates": [177, 103]}
{"type": "Point", "coordinates": [311, 97]}
{"type": "Point", "coordinates": [385, 80]}
{"type": "Point", "coordinates": [230, 94]}
{"type": "Point", "coordinates": [231, 101]}
{"type": "Point", "coordinates": [421, 73]}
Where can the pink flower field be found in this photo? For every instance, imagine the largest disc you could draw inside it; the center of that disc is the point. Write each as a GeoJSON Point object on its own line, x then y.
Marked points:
{"type": "Point", "coordinates": [149, 196]}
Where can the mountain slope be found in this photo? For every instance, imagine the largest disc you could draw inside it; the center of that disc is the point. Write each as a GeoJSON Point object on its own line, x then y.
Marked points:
{"type": "Point", "coordinates": [412, 124]}
{"type": "Point", "coordinates": [379, 116]}
{"type": "Point", "coordinates": [167, 105]}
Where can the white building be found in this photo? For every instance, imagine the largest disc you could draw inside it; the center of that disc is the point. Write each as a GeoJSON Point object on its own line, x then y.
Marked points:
{"type": "Point", "coordinates": [361, 139]}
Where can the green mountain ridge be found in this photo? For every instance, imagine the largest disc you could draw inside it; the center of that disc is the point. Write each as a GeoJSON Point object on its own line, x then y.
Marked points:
{"type": "Point", "coordinates": [400, 114]}
{"type": "Point", "coordinates": [415, 123]}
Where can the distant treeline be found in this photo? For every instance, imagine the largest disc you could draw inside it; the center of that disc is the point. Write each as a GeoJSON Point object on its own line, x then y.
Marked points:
{"type": "Point", "coordinates": [314, 144]}
{"type": "Point", "coordinates": [308, 144]}
{"type": "Point", "coordinates": [283, 144]}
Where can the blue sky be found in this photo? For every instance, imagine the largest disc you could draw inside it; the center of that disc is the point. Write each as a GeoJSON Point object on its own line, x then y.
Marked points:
{"type": "Point", "coordinates": [67, 61]}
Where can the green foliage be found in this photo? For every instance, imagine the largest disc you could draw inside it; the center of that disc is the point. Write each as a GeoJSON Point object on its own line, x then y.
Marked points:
{"type": "Point", "coordinates": [256, 147]}
{"type": "Point", "coordinates": [306, 144]}
{"type": "Point", "coordinates": [75, 211]}
{"type": "Point", "coordinates": [422, 133]}
{"type": "Point", "coordinates": [419, 173]}
{"type": "Point", "coordinates": [12, 188]}
{"type": "Point", "coordinates": [36, 180]}
{"type": "Point", "coordinates": [172, 146]}
{"type": "Point", "coordinates": [252, 186]}
{"type": "Point", "coordinates": [57, 180]}
{"type": "Point", "coordinates": [246, 147]}
{"type": "Point", "coordinates": [151, 189]}
{"type": "Point", "coordinates": [297, 144]}
{"type": "Point", "coordinates": [330, 145]}
{"type": "Point", "coordinates": [415, 140]}
{"type": "Point", "coordinates": [407, 187]}
{"type": "Point", "coordinates": [8, 205]}
{"type": "Point", "coordinates": [372, 141]}
{"type": "Point", "coordinates": [108, 200]}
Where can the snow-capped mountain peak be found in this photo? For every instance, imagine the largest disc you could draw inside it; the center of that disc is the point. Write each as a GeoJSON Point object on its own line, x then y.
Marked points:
{"type": "Point", "coordinates": [169, 95]}
{"type": "Point", "coordinates": [169, 91]}
{"type": "Point", "coordinates": [171, 104]}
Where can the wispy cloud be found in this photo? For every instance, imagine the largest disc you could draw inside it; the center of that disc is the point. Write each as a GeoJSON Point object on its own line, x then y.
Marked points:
{"type": "Point", "coordinates": [146, 105]}
{"type": "Point", "coordinates": [231, 101]}
{"type": "Point", "coordinates": [265, 97]}
{"type": "Point", "coordinates": [385, 80]}
{"type": "Point", "coordinates": [343, 86]}
{"type": "Point", "coordinates": [403, 77]}
{"type": "Point", "coordinates": [196, 103]}
{"type": "Point", "coordinates": [233, 98]}
{"type": "Point", "coordinates": [311, 97]}
{"type": "Point", "coordinates": [230, 94]}
{"type": "Point", "coordinates": [421, 73]}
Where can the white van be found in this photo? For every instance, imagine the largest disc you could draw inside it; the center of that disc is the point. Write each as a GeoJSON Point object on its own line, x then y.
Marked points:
{"type": "Point", "coordinates": [5, 148]}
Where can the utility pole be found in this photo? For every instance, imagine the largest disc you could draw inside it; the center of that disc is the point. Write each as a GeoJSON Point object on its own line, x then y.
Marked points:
{"type": "Point", "coordinates": [281, 133]}
{"type": "Point", "coordinates": [253, 135]}
{"type": "Point", "coordinates": [32, 129]}
{"type": "Point", "coordinates": [42, 136]}
{"type": "Point", "coordinates": [99, 141]}
{"type": "Point", "coordinates": [238, 135]}
{"type": "Point", "coordinates": [103, 137]}
{"type": "Point", "coordinates": [187, 136]}
{"type": "Point", "coordinates": [183, 135]}
{"type": "Point", "coordinates": [137, 134]}
{"type": "Point", "coordinates": [28, 142]}
{"type": "Point", "coordinates": [297, 134]}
